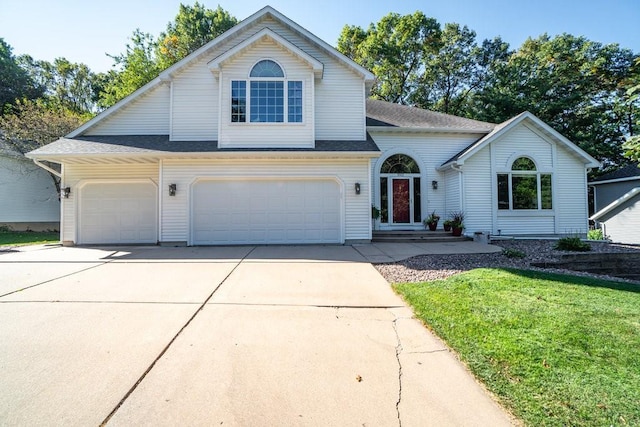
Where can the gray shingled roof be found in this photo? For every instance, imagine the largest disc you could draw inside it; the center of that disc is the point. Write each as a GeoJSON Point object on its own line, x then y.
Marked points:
{"type": "Point", "coordinates": [629, 171]}
{"type": "Point", "coordinates": [155, 144]}
{"type": "Point", "coordinates": [387, 114]}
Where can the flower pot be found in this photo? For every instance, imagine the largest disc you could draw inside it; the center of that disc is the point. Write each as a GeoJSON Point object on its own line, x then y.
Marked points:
{"type": "Point", "coordinates": [433, 226]}
{"type": "Point", "coordinates": [457, 231]}
{"type": "Point", "coordinates": [447, 227]}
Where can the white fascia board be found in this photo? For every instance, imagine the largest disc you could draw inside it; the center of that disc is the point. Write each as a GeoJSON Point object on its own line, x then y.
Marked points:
{"type": "Point", "coordinates": [602, 212]}
{"type": "Point", "coordinates": [318, 67]}
{"type": "Point", "coordinates": [60, 158]}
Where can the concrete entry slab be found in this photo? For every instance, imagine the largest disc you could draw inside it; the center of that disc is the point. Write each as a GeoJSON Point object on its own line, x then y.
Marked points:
{"type": "Point", "coordinates": [71, 363]}
{"type": "Point", "coordinates": [272, 366]}
{"type": "Point", "coordinates": [305, 253]}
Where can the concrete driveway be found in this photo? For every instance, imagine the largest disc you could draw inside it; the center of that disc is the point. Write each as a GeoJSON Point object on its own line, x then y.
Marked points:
{"type": "Point", "coordinates": [308, 335]}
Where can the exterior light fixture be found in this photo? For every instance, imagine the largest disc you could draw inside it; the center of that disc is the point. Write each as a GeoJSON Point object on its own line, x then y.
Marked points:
{"type": "Point", "coordinates": [357, 188]}
{"type": "Point", "coordinates": [172, 189]}
{"type": "Point", "coordinates": [434, 185]}
{"type": "Point", "coordinates": [65, 192]}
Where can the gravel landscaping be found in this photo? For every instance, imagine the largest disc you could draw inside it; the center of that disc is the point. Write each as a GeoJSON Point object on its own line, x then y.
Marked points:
{"type": "Point", "coordinates": [432, 267]}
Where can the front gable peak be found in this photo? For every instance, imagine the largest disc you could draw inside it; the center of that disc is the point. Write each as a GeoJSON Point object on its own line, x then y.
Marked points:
{"type": "Point", "coordinates": [266, 35]}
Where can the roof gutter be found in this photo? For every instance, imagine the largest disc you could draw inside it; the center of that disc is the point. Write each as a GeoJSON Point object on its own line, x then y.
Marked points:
{"type": "Point", "coordinates": [47, 168]}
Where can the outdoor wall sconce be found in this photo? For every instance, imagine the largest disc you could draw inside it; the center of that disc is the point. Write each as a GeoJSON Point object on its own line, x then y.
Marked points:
{"type": "Point", "coordinates": [357, 188]}
{"type": "Point", "coordinates": [65, 192]}
{"type": "Point", "coordinates": [172, 189]}
{"type": "Point", "coordinates": [434, 185]}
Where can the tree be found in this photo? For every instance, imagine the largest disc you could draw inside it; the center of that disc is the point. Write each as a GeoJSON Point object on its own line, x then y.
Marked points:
{"type": "Point", "coordinates": [134, 68]}
{"type": "Point", "coordinates": [631, 146]}
{"type": "Point", "coordinates": [32, 124]}
{"type": "Point", "coordinates": [193, 27]}
{"type": "Point", "coordinates": [15, 82]}
{"type": "Point", "coordinates": [394, 50]}
{"type": "Point", "coordinates": [146, 56]}
{"type": "Point", "coordinates": [65, 84]}
{"type": "Point", "coordinates": [573, 84]}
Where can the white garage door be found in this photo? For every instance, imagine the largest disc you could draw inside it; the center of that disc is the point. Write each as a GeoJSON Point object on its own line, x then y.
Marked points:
{"type": "Point", "coordinates": [266, 211]}
{"type": "Point", "coordinates": [118, 213]}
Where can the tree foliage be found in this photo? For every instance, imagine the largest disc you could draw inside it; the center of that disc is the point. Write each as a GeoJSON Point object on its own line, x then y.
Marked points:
{"type": "Point", "coordinates": [193, 27]}
{"type": "Point", "coordinates": [15, 82]}
{"type": "Point", "coordinates": [579, 87]}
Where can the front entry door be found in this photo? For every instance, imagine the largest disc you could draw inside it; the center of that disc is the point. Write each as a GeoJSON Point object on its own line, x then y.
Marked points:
{"type": "Point", "coordinates": [401, 200]}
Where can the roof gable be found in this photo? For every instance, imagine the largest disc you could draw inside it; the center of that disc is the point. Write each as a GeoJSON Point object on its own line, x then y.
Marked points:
{"type": "Point", "coordinates": [506, 126]}
{"type": "Point", "coordinates": [267, 12]}
{"type": "Point", "coordinates": [266, 34]}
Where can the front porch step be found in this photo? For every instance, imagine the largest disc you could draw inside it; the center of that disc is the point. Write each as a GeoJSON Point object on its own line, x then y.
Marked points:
{"type": "Point", "coordinates": [415, 236]}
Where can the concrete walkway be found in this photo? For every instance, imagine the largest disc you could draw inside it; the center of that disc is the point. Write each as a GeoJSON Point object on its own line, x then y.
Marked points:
{"type": "Point", "coordinates": [307, 335]}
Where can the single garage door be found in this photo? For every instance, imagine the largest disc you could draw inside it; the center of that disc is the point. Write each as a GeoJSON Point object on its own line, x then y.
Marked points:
{"type": "Point", "coordinates": [266, 212]}
{"type": "Point", "coordinates": [118, 213]}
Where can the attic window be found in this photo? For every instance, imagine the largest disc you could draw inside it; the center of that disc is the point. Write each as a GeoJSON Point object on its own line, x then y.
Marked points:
{"type": "Point", "coordinates": [266, 68]}
{"type": "Point", "coordinates": [270, 99]}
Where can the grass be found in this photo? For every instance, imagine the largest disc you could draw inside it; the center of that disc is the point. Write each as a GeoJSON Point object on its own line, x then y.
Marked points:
{"type": "Point", "coordinates": [22, 238]}
{"type": "Point", "coordinates": [557, 350]}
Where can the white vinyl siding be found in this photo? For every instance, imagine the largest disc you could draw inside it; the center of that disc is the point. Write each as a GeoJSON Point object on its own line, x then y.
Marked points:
{"type": "Point", "coordinates": [147, 115]}
{"type": "Point", "coordinates": [195, 104]}
{"type": "Point", "coordinates": [249, 134]}
{"type": "Point", "coordinates": [522, 141]}
{"type": "Point", "coordinates": [570, 194]}
{"type": "Point", "coordinates": [184, 173]}
{"type": "Point", "coordinates": [477, 201]}
{"type": "Point", "coordinates": [27, 192]}
{"type": "Point", "coordinates": [430, 151]}
{"type": "Point", "coordinates": [79, 174]}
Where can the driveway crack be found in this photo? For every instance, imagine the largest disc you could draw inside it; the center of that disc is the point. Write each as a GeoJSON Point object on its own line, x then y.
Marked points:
{"type": "Point", "coordinates": [175, 337]}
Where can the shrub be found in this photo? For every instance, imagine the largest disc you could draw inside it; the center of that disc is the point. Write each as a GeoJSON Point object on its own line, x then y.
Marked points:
{"type": "Point", "coordinates": [5, 229]}
{"type": "Point", "coordinates": [572, 244]}
{"type": "Point", "coordinates": [596, 234]}
{"type": "Point", "coordinates": [513, 253]}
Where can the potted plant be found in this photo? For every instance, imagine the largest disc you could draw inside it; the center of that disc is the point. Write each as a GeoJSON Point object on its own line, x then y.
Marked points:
{"type": "Point", "coordinates": [447, 225]}
{"type": "Point", "coordinates": [431, 221]}
{"type": "Point", "coordinates": [457, 223]}
{"type": "Point", "coordinates": [375, 214]}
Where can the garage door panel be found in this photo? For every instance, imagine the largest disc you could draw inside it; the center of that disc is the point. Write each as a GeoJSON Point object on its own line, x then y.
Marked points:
{"type": "Point", "coordinates": [266, 211]}
{"type": "Point", "coordinates": [111, 213]}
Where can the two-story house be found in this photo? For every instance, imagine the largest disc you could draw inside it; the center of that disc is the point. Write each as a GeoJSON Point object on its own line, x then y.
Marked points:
{"type": "Point", "coordinates": [265, 135]}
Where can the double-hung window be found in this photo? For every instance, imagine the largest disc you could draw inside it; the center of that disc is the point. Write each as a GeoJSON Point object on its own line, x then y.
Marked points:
{"type": "Point", "coordinates": [524, 187]}
{"type": "Point", "coordinates": [271, 98]}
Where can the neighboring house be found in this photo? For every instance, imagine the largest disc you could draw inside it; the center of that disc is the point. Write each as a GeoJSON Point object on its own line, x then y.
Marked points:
{"type": "Point", "coordinates": [265, 135]}
{"type": "Point", "coordinates": [617, 204]}
{"type": "Point", "coordinates": [28, 196]}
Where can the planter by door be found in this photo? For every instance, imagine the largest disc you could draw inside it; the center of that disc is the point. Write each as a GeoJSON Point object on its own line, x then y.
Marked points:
{"type": "Point", "coordinates": [456, 231]}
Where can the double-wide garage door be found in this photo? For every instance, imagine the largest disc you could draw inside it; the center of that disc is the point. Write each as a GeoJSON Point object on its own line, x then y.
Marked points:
{"type": "Point", "coordinates": [118, 213]}
{"type": "Point", "coordinates": [266, 212]}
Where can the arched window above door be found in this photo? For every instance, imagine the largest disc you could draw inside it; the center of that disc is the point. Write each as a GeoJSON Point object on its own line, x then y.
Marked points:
{"type": "Point", "coordinates": [400, 163]}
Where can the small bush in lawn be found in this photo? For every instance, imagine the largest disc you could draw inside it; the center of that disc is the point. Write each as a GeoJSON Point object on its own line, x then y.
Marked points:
{"type": "Point", "coordinates": [5, 229]}
{"type": "Point", "coordinates": [572, 244]}
{"type": "Point", "coordinates": [595, 234]}
{"type": "Point", "coordinates": [513, 253]}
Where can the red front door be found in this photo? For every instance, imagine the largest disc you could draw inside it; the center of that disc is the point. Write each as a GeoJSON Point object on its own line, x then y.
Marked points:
{"type": "Point", "coordinates": [401, 201]}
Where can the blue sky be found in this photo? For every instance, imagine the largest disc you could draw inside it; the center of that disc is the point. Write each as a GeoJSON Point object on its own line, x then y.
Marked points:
{"type": "Point", "coordinates": [84, 30]}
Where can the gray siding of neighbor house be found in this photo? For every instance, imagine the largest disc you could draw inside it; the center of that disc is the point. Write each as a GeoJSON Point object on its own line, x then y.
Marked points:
{"type": "Point", "coordinates": [622, 224]}
{"type": "Point", "coordinates": [605, 194]}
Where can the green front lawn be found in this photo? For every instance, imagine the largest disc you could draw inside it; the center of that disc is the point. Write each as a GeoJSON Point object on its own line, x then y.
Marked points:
{"type": "Point", "coordinates": [557, 350]}
{"type": "Point", "coordinates": [21, 238]}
